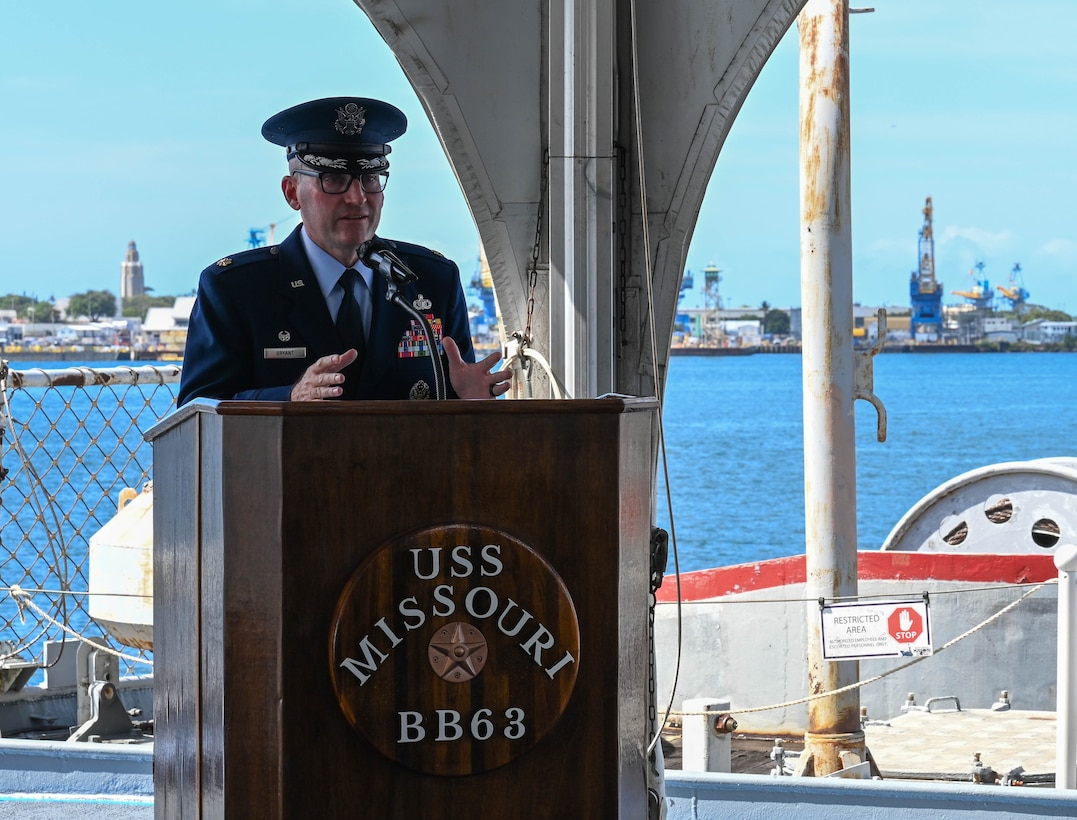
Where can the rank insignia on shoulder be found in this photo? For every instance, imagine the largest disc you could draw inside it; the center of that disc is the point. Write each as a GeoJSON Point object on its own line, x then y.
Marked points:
{"type": "Point", "coordinates": [224, 263]}
{"type": "Point", "coordinates": [437, 253]}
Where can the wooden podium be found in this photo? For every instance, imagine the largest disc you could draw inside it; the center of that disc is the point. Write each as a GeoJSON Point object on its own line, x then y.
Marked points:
{"type": "Point", "coordinates": [402, 609]}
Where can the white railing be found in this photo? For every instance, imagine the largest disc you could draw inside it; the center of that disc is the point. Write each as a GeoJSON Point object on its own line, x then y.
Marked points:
{"type": "Point", "coordinates": [70, 441]}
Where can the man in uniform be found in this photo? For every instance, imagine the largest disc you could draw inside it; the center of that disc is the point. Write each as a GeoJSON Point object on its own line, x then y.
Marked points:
{"type": "Point", "coordinates": [306, 319]}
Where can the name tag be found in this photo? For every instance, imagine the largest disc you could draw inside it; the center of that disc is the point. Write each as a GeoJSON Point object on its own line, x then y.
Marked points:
{"type": "Point", "coordinates": [284, 353]}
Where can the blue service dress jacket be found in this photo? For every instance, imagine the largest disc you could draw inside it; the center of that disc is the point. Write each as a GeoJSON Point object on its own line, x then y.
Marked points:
{"type": "Point", "coordinates": [260, 321]}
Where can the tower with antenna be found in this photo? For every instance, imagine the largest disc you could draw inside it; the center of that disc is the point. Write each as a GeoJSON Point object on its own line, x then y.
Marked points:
{"type": "Point", "coordinates": [711, 329]}
{"type": "Point", "coordinates": [132, 280]}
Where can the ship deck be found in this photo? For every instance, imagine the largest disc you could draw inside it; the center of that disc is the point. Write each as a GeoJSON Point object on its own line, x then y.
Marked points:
{"type": "Point", "coordinates": [940, 745]}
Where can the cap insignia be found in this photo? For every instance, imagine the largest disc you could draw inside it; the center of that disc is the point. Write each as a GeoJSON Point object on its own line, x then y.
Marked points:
{"type": "Point", "coordinates": [224, 263]}
{"type": "Point", "coordinates": [350, 119]}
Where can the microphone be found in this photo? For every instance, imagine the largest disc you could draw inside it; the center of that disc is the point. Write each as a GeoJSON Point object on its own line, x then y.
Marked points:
{"type": "Point", "coordinates": [377, 255]}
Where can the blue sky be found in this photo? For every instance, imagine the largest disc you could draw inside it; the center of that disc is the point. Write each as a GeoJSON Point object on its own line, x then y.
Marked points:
{"type": "Point", "coordinates": [129, 120]}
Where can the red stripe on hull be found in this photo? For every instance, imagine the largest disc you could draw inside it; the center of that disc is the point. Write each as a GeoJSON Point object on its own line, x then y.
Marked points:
{"type": "Point", "coordinates": [872, 566]}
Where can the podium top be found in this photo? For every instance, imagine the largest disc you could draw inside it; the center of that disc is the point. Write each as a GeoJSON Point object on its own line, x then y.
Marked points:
{"type": "Point", "coordinates": [612, 404]}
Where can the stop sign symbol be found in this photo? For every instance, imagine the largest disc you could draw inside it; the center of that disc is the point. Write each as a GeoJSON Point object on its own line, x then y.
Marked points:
{"type": "Point", "coordinates": [905, 625]}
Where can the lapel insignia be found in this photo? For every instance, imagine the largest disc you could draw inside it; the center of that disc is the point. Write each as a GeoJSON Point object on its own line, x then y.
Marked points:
{"type": "Point", "coordinates": [422, 303]}
{"type": "Point", "coordinates": [284, 336]}
{"type": "Point", "coordinates": [298, 283]}
{"type": "Point", "coordinates": [420, 391]}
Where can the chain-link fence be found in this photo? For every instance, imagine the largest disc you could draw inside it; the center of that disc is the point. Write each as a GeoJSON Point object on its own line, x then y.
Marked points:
{"type": "Point", "coordinates": [72, 441]}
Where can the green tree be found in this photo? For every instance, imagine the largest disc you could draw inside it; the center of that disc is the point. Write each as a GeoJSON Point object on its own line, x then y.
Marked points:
{"type": "Point", "coordinates": [139, 305]}
{"type": "Point", "coordinates": [776, 322]}
{"type": "Point", "coordinates": [41, 311]}
{"type": "Point", "coordinates": [29, 307]}
{"type": "Point", "coordinates": [1038, 312]}
{"type": "Point", "coordinates": [94, 304]}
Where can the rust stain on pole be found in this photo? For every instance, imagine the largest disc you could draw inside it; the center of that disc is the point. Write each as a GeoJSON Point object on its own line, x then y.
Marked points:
{"type": "Point", "coordinates": [829, 367]}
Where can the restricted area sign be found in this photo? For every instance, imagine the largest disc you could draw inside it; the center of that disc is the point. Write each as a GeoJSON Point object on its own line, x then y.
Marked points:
{"type": "Point", "coordinates": [879, 629]}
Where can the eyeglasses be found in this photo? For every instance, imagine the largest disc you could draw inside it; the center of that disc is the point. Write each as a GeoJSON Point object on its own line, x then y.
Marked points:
{"type": "Point", "coordinates": [335, 182]}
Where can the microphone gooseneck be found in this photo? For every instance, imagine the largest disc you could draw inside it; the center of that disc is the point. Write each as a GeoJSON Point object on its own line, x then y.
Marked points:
{"type": "Point", "coordinates": [377, 255]}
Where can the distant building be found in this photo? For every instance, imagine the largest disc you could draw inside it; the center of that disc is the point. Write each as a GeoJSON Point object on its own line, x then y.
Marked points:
{"type": "Point", "coordinates": [165, 329]}
{"type": "Point", "coordinates": [1046, 331]}
{"type": "Point", "coordinates": [999, 329]}
{"type": "Point", "coordinates": [132, 282]}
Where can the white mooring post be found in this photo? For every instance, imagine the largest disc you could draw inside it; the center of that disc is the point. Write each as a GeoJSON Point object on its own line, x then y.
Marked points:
{"type": "Point", "coordinates": [706, 742]}
{"type": "Point", "coordinates": [1066, 704]}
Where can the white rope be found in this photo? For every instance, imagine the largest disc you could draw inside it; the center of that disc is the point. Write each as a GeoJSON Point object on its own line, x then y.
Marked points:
{"type": "Point", "coordinates": [859, 684]}
{"type": "Point", "coordinates": [23, 598]}
{"type": "Point", "coordinates": [530, 353]}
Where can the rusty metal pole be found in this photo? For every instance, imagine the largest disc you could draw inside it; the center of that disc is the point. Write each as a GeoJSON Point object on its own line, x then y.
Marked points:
{"type": "Point", "coordinates": [828, 370]}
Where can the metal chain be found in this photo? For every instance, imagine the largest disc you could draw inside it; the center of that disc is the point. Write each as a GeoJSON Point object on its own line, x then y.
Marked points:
{"type": "Point", "coordinates": [652, 706]}
{"type": "Point", "coordinates": [622, 230]}
{"type": "Point", "coordinates": [659, 554]}
{"type": "Point", "coordinates": [532, 273]}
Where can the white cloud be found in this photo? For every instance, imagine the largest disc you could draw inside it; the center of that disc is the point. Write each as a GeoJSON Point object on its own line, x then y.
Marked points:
{"type": "Point", "coordinates": [987, 241]}
{"type": "Point", "coordinates": [1060, 250]}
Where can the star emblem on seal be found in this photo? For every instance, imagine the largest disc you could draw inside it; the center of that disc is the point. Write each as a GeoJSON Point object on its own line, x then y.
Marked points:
{"type": "Point", "coordinates": [457, 652]}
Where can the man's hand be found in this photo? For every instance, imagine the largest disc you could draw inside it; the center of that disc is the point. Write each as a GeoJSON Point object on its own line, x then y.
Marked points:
{"type": "Point", "coordinates": [323, 379]}
{"type": "Point", "coordinates": [475, 381]}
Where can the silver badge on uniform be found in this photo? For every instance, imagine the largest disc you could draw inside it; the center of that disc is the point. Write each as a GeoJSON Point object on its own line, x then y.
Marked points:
{"type": "Point", "coordinates": [284, 353]}
{"type": "Point", "coordinates": [422, 303]}
{"type": "Point", "coordinates": [420, 391]}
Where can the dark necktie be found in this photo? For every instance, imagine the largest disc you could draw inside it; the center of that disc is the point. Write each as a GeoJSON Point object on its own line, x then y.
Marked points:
{"type": "Point", "coordinates": [350, 316]}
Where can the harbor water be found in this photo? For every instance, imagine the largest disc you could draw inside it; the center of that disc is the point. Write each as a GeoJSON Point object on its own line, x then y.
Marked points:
{"type": "Point", "coordinates": [734, 442]}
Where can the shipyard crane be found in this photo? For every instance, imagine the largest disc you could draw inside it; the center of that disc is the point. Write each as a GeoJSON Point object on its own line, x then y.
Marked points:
{"type": "Point", "coordinates": [258, 239]}
{"type": "Point", "coordinates": [1015, 293]}
{"type": "Point", "coordinates": [925, 293]}
{"type": "Point", "coordinates": [681, 318]}
{"type": "Point", "coordinates": [980, 293]}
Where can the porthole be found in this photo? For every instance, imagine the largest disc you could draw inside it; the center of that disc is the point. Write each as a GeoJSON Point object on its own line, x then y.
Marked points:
{"type": "Point", "coordinates": [1046, 533]}
{"type": "Point", "coordinates": [998, 509]}
{"type": "Point", "coordinates": [954, 530]}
